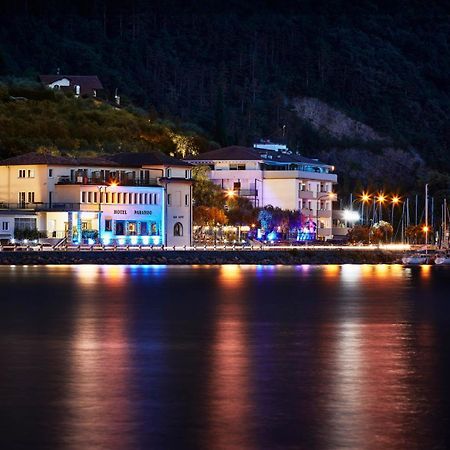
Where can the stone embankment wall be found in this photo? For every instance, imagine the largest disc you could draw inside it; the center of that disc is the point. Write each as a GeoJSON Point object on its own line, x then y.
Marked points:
{"type": "Point", "coordinates": [286, 257]}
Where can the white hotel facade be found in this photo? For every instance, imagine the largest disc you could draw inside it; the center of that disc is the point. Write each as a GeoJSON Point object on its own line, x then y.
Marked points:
{"type": "Point", "coordinates": [269, 174]}
{"type": "Point", "coordinates": [129, 198]}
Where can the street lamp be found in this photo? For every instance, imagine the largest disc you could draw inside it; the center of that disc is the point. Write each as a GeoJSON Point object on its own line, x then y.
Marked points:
{"type": "Point", "coordinates": [331, 196]}
{"type": "Point", "coordinates": [364, 198]}
{"type": "Point", "coordinates": [395, 200]}
{"type": "Point", "coordinates": [380, 199]}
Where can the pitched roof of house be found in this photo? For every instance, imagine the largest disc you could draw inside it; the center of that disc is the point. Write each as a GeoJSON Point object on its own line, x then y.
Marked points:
{"type": "Point", "coordinates": [87, 83]}
{"type": "Point", "coordinates": [237, 153]}
{"type": "Point", "coordinates": [35, 158]}
{"type": "Point", "coordinates": [152, 158]}
{"type": "Point", "coordinates": [233, 152]}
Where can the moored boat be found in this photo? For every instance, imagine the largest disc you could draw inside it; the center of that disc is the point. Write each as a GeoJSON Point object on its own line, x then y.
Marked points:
{"type": "Point", "coordinates": [443, 259]}
{"type": "Point", "coordinates": [416, 259]}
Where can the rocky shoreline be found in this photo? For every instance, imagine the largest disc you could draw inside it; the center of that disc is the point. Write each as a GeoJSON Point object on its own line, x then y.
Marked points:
{"type": "Point", "coordinates": [265, 257]}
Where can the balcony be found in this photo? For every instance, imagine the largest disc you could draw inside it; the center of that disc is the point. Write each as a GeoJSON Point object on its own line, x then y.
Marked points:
{"type": "Point", "coordinates": [40, 207]}
{"type": "Point", "coordinates": [248, 192]}
{"type": "Point", "coordinates": [86, 181]}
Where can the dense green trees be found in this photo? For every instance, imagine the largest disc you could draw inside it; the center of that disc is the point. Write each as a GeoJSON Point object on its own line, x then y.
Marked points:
{"type": "Point", "coordinates": [32, 117]}
{"type": "Point", "coordinates": [232, 67]}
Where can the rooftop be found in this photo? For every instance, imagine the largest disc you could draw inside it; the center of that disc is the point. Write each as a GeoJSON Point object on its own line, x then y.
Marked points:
{"type": "Point", "coordinates": [87, 83]}
{"type": "Point", "coordinates": [153, 158]}
{"type": "Point", "coordinates": [236, 153]}
{"type": "Point", "coordinates": [35, 158]}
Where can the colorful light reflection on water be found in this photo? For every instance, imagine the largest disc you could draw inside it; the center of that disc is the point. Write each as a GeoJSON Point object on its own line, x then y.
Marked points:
{"type": "Point", "coordinates": [224, 357]}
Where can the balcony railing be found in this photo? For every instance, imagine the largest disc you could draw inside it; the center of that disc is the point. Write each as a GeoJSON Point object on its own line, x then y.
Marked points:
{"type": "Point", "coordinates": [248, 192]}
{"type": "Point", "coordinates": [86, 181]}
{"type": "Point", "coordinates": [55, 206]}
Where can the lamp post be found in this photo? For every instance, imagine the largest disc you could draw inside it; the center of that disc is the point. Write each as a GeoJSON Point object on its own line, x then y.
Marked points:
{"type": "Point", "coordinates": [364, 199]}
{"type": "Point", "coordinates": [380, 199]}
{"type": "Point", "coordinates": [330, 195]}
{"type": "Point", "coordinates": [395, 200]}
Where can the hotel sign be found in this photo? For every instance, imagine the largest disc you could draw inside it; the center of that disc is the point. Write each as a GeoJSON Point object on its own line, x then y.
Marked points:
{"type": "Point", "coordinates": [137, 212]}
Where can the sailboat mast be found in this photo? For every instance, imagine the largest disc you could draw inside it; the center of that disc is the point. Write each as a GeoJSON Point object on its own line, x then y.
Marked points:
{"type": "Point", "coordinates": [426, 218]}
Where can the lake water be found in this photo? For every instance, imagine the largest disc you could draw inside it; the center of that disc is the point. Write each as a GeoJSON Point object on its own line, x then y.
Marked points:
{"type": "Point", "coordinates": [225, 357]}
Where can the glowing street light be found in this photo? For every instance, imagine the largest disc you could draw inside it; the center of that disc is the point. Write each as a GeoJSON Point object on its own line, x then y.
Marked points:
{"type": "Point", "coordinates": [230, 193]}
{"type": "Point", "coordinates": [395, 200]}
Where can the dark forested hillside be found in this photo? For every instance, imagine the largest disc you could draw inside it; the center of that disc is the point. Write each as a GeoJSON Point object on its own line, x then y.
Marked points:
{"type": "Point", "coordinates": [233, 67]}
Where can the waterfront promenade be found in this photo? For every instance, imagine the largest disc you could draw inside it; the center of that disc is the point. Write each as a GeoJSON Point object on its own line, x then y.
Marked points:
{"type": "Point", "coordinates": [266, 256]}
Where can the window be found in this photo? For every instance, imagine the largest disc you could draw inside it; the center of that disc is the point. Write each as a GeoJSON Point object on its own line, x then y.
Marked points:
{"type": "Point", "coordinates": [237, 166]}
{"type": "Point", "coordinates": [30, 173]}
{"type": "Point", "coordinates": [120, 227]}
{"type": "Point", "coordinates": [169, 199]}
{"type": "Point", "coordinates": [22, 173]}
{"type": "Point", "coordinates": [135, 198]}
{"type": "Point", "coordinates": [186, 200]}
{"type": "Point", "coordinates": [119, 197]}
{"type": "Point", "coordinates": [50, 173]}
{"type": "Point", "coordinates": [24, 224]}
{"type": "Point", "coordinates": [30, 197]}
{"type": "Point", "coordinates": [108, 225]}
{"type": "Point", "coordinates": [178, 229]}
{"type": "Point", "coordinates": [113, 197]}
{"type": "Point", "coordinates": [125, 198]}
{"type": "Point", "coordinates": [95, 197]}
{"type": "Point", "coordinates": [22, 198]}
{"type": "Point", "coordinates": [236, 186]}
{"type": "Point", "coordinates": [5, 226]}
{"type": "Point", "coordinates": [186, 174]}
{"type": "Point", "coordinates": [83, 197]}
{"type": "Point", "coordinates": [140, 199]}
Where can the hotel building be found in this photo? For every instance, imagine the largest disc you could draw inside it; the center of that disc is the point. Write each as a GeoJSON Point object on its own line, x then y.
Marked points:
{"type": "Point", "coordinates": [269, 174]}
{"type": "Point", "coordinates": [128, 198]}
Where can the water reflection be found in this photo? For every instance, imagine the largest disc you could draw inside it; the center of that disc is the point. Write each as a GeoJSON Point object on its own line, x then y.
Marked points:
{"type": "Point", "coordinates": [99, 407]}
{"type": "Point", "coordinates": [225, 357]}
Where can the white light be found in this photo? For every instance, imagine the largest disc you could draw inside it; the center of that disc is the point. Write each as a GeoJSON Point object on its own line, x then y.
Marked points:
{"type": "Point", "coordinates": [25, 241]}
{"type": "Point", "coordinates": [91, 241]}
{"type": "Point", "coordinates": [145, 240]}
{"type": "Point", "coordinates": [133, 240]}
{"type": "Point", "coordinates": [106, 240]}
{"type": "Point", "coordinates": [121, 241]}
{"type": "Point", "coordinates": [351, 216]}
{"type": "Point", "coordinates": [13, 241]}
{"type": "Point", "coordinates": [156, 240]}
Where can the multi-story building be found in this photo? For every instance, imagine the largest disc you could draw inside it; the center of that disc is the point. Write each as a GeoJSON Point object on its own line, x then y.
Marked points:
{"type": "Point", "coordinates": [269, 174]}
{"type": "Point", "coordinates": [129, 198]}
